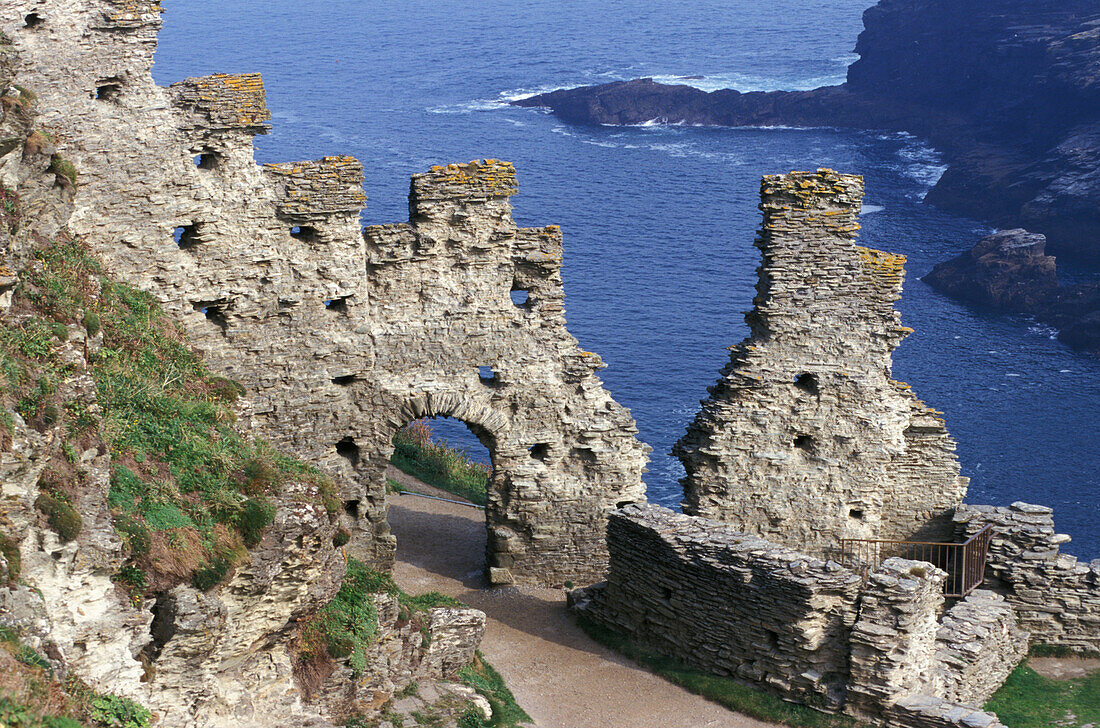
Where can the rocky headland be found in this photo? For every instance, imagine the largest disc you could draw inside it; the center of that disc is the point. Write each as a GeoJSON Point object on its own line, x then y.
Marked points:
{"type": "Point", "coordinates": [1009, 92]}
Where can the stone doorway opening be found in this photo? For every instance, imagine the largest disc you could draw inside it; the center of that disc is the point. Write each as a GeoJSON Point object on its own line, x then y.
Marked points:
{"type": "Point", "coordinates": [438, 483]}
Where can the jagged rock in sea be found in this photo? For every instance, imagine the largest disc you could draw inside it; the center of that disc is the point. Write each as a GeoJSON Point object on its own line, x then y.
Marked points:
{"type": "Point", "coordinates": [1010, 271]}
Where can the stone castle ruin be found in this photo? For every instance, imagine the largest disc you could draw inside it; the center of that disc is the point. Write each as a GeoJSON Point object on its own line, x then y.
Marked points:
{"type": "Point", "coordinates": [806, 444]}
{"type": "Point", "coordinates": [342, 335]}
{"type": "Point", "coordinates": [806, 439]}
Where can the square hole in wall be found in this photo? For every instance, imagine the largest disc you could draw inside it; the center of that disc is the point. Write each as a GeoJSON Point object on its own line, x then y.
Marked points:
{"type": "Point", "coordinates": [344, 381]}
{"type": "Point", "coordinates": [188, 237]}
{"type": "Point", "coordinates": [540, 451]}
{"type": "Point", "coordinates": [856, 513]}
{"type": "Point", "coordinates": [349, 450]}
{"type": "Point", "coordinates": [32, 20]}
{"type": "Point", "coordinates": [207, 160]}
{"type": "Point", "coordinates": [521, 298]}
{"type": "Point", "coordinates": [337, 305]}
{"type": "Point", "coordinates": [108, 89]}
{"type": "Point", "coordinates": [486, 374]}
{"type": "Point", "coordinates": [214, 311]}
{"type": "Point", "coordinates": [305, 233]}
{"type": "Point", "coordinates": [804, 443]}
{"type": "Point", "coordinates": [807, 383]}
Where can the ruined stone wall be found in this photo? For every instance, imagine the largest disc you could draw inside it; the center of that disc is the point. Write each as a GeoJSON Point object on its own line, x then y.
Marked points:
{"type": "Point", "coordinates": [805, 439]}
{"type": "Point", "coordinates": [1055, 596]}
{"type": "Point", "coordinates": [893, 644]}
{"type": "Point", "coordinates": [978, 645]}
{"type": "Point", "coordinates": [340, 336]}
{"type": "Point", "coordinates": [728, 603]}
{"type": "Point", "coordinates": [903, 645]}
{"type": "Point", "coordinates": [733, 604]}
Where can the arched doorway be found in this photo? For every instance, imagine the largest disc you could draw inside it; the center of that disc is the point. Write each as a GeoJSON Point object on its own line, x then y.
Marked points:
{"type": "Point", "coordinates": [437, 483]}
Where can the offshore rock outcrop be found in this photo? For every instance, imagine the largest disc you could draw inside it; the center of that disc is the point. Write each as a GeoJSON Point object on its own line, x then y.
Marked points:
{"type": "Point", "coordinates": [1010, 271]}
{"type": "Point", "coordinates": [805, 439]}
{"type": "Point", "coordinates": [340, 336]}
{"type": "Point", "coordinates": [1009, 91]}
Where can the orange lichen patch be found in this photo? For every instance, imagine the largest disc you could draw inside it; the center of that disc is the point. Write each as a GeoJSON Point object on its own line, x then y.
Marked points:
{"type": "Point", "coordinates": [808, 189]}
{"type": "Point", "coordinates": [131, 12]}
{"type": "Point", "coordinates": [228, 100]}
{"type": "Point", "coordinates": [888, 266]}
{"type": "Point", "coordinates": [488, 177]}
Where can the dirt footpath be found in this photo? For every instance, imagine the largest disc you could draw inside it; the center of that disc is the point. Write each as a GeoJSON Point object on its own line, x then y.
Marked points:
{"type": "Point", "coordinates": [559, 675]}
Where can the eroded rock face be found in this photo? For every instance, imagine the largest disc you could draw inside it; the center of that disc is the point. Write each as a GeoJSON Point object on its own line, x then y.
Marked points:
{"type": "Point", "coordinates": [341, 336]}
{"type": "Point", "coordinates": [805, 439]}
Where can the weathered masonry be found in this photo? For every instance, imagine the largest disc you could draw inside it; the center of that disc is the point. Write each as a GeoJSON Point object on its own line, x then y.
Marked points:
{"type": "Point", "coordinates": [733, 604]}
{"type": "Point", "coordinates": [805, 439]}
{"type": "Point", "coordinates": [340, 335]}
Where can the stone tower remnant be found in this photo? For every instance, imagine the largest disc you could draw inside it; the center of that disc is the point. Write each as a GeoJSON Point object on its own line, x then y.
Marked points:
{"type": "Point", "coordinates": [805, 438]}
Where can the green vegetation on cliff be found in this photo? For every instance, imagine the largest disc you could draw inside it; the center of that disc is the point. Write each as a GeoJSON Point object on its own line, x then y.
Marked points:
{"type": "Point", "coordinates": [32, 696]}
{"type": "Point", "coordinates": [189, 493]}
{"type": "Point", "coordinates": [347, 626]}
{"type": "Point", "coordinates": [438, 464]}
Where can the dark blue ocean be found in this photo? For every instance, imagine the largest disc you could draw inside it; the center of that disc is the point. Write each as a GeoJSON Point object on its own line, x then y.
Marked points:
{"type": "Point", "coordinates": [658, 221]}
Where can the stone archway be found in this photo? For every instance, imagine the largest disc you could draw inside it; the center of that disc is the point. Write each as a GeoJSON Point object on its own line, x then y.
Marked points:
{"type": "Point", "coordinates": [509, 535]}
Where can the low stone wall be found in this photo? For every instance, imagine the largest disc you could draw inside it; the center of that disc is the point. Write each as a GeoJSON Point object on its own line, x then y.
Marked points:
{"type": "Point", "coordinates": [1056, 597]}
{"type": "Point", "coordinates": [735, 605]}
{"type": "Point", "coordinates": [924, 711]}
{"type": "Point", "coordinates": [727, 602]}
{"type": "Point", "coordinates": [978, 645]}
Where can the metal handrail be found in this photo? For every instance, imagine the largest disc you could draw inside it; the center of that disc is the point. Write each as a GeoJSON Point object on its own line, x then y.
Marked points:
{"type": "Point", "coordinates": [964, 562]}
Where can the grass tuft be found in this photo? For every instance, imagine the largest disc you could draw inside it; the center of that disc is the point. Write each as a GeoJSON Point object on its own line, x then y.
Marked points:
{"type": "Point", "coordinates": [63, 168]}
{"type": "Point", "coordinates": [481, 676]}
{"type": "Point", "coordinates": [1029, 700]}
{"type": "Point", "coordinates": [9, 549]}
{"type": "Point", "coordinates": [438, 464]}
{"type": "Point", "coordinates": [61, 516]}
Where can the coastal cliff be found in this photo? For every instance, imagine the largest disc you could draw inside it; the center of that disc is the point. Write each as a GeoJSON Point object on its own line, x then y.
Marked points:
{"type": "Point", "coordinates": [1008, 91]}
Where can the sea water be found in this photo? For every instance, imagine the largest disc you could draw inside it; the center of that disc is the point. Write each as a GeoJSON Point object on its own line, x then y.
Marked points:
{"type": "Point", "coordinates": [658, 220]}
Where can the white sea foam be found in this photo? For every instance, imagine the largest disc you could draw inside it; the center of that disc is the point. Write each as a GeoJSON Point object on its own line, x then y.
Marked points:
{"type": "Point", "coordinates": [868, 209]}
{"type": "Point", "coordinates": [745, 82]}
{"type": "Point", "coordinates": [921, 163]}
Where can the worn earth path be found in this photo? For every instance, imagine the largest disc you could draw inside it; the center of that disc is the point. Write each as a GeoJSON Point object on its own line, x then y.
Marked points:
{"type": "Point", "coordinates": [559, 675]}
